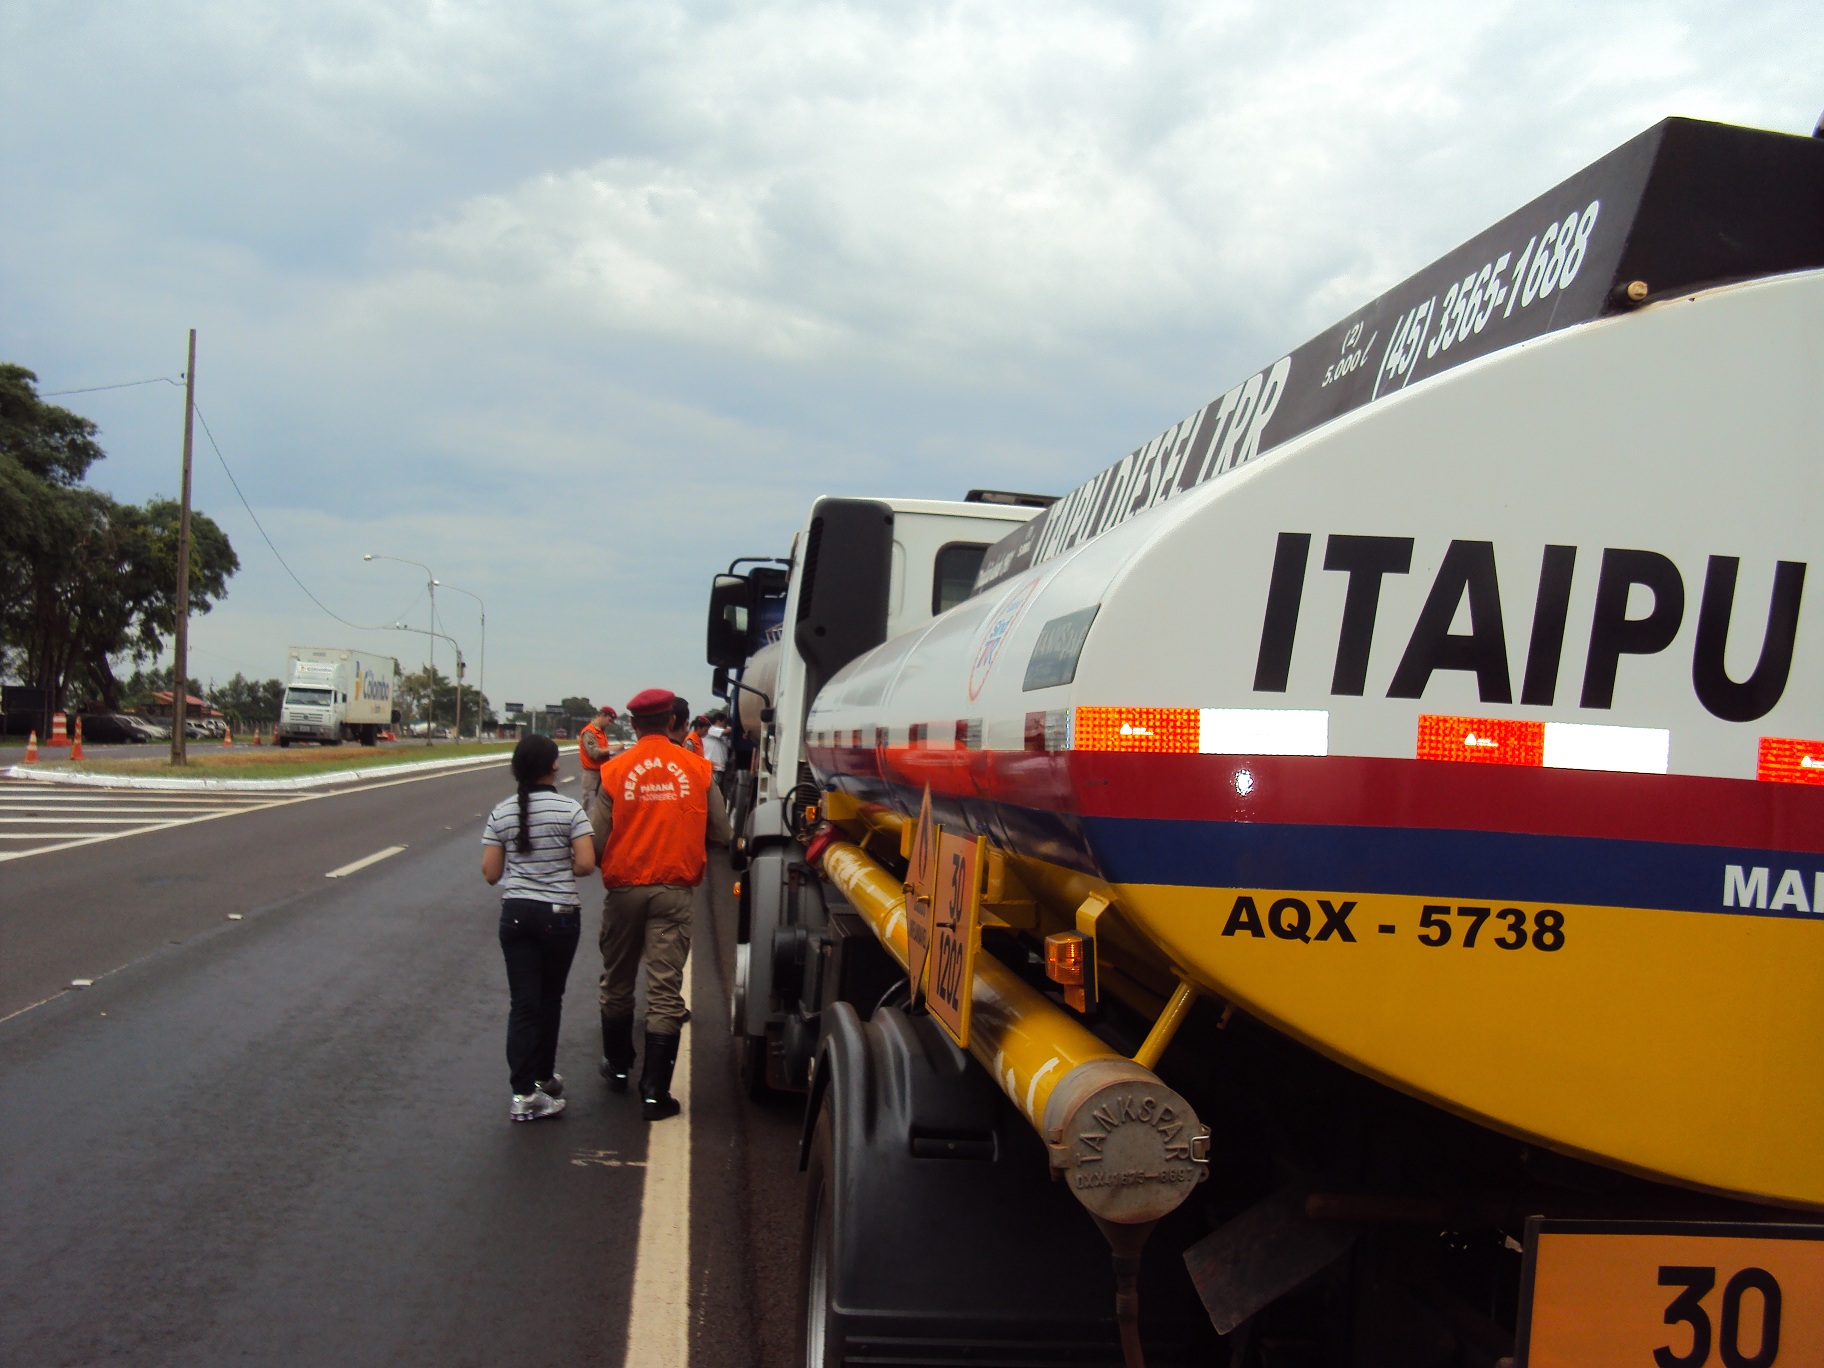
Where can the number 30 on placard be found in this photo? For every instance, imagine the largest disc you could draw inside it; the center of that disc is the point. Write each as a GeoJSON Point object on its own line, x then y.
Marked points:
{"type": "Point", "coordinates": [1687, 1308]}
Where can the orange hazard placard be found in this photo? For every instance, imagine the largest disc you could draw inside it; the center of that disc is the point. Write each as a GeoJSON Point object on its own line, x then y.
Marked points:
{"type": "Point", "coordinates": [957, 906]}
{"type": "Point", "coordinates": [1626, 1294]}
{"type": "Point", "coordinates": [921, 866]}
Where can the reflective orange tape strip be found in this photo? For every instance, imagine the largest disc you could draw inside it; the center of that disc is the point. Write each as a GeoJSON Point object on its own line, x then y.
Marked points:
{"type": "Point", "coordinates": [1481, 740]}
{"type": "Point", "coordinates": [1151, 730]}
{"type": "Point", "coordinates": [1787, 761]}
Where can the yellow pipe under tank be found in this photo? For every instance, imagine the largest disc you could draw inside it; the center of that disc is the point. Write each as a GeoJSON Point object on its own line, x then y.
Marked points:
{"type": "Point", "coordinates": [1027, 1043]}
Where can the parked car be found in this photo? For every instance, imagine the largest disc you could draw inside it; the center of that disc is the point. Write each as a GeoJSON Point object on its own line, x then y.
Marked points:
{"type": "Point", "coordinates": [113, 729]}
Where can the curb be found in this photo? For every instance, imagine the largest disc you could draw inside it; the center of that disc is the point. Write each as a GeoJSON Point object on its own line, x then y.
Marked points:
{"type": "Point", "coordinates": [302, 783]}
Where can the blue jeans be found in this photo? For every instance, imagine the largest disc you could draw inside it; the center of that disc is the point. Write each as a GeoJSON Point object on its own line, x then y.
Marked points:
{"type": "Point", "coordinates": [539, 942]}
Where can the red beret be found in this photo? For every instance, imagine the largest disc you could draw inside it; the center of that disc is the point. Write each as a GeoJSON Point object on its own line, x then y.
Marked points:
{"type": "Point", "coordinates": [608, 711]}
{"type": "Point", "coordinates": [650, 702]}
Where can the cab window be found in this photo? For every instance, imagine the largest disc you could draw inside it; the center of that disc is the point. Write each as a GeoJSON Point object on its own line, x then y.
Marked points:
{"type": "Point", "coordinates": [953, 574]}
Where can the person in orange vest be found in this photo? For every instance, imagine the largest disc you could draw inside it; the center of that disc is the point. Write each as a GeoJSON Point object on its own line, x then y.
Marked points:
{"type": "Point", "coordinates": [592, 750]}
{"type": "Point", "coordinates": [659, 808]}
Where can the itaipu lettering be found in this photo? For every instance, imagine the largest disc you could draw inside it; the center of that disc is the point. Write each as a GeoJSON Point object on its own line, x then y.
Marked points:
{"type": "Point", "coordinates": [1467, 586]}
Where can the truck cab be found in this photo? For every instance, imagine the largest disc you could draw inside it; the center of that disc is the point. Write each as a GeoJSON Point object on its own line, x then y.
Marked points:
{"type": "Point", "coordinates": [861, 572]}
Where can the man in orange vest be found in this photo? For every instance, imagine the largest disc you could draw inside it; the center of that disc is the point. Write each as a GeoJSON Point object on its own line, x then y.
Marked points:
{"type": "Point", "coordinates": [592, 750]}
{"type": "Point", "coordinates": [659, 807]}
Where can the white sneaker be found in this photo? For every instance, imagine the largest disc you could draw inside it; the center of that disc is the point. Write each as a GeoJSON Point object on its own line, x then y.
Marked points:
{"type": "Point", "coordinates": [534, 1105]}
{"type": "Point", "coordinates": [552, 1086]}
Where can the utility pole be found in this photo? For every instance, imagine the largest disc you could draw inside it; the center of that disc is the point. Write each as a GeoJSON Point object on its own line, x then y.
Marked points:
{"type": "Point", "coordinates": [180, 660]}
{"type": "Point", "coordinates": [430, 708]}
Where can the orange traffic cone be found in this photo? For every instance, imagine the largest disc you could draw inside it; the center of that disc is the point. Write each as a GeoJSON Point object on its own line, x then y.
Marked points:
{"type": "Point", "coordinates": [259, 736]}
{"type": "Point", "coordinates": [60, 735]}
{"type": "Point", "coordinates": [76, 754]}
{"type": "Point", "coordinates": [227, 735]}
{"type": "Point", "coordinates": [31, 748]}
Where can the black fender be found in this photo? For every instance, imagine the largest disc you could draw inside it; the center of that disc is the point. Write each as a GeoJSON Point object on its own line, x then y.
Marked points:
{"type": "Point", "coordinates": [947, 1228]}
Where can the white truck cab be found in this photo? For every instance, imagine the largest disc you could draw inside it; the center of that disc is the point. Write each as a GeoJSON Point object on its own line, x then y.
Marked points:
{"type": "Point", "coordinates": [861, 572]}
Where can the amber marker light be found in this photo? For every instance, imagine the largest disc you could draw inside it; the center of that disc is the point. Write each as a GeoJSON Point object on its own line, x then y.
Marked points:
{"type": "Point", "coordinates": [1064, 966]}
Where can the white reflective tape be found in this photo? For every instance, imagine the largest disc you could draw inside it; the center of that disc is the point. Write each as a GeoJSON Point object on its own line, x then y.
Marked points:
{"type": "Point", "coordinates": [1263, 731]}
{"type": "Point", "coordinates": [1588, 746]}
{"type": "Point", "coordinates": [1032, 1088]}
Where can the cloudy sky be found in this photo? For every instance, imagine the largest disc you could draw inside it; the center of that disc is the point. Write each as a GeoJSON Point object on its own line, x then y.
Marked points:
{"type": "Point", "coordinates": [575, 302]}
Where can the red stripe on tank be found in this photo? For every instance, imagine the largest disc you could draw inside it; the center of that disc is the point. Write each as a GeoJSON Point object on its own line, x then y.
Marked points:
{"type": "Point", "coordinates": [1360, 791]}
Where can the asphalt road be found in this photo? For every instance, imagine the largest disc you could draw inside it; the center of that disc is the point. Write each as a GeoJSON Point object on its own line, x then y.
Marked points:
{"type": "Point", "coordinates": [283, 1138]}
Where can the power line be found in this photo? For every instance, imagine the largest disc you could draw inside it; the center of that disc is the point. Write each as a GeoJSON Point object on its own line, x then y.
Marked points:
{"type": "Point", "coordinates": [215, 447]}
{"type": "Point", "coordinates": [125, 384]}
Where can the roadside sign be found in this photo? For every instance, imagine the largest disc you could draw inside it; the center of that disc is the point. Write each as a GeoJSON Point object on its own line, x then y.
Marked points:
{"type": "Point", "coordinates": [1601, 1294]}
{"type": "Point", "coordinates": [919, 889]}
{"type": "Point", "coordinates": [513, 707]}
{"type": "Point", "coordinates": [956, 913]}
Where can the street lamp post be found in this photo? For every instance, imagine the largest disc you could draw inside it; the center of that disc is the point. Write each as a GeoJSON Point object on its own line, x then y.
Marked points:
{"type": "Point", "coordinates": [484, 655]}
{"type": "Point", "coordinates": [430, 710]}
{"type": "Point", "coordinates": [431, 647]}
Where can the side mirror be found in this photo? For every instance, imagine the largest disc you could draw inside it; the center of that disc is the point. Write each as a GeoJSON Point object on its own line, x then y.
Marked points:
{"type": "Point", "coordinates": [730, 608]}
{"type": "Point", "coordinates": [718, 683]}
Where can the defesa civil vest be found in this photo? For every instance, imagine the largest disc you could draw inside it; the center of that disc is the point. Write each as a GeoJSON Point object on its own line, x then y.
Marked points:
{"type": "Point", "coordinates": [659, 796]}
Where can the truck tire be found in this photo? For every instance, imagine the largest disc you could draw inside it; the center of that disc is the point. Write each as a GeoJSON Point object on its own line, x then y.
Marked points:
{"type": "Point", "coordinates": [933, 1232]}
{"type": "Point", "coordinates": [282, 742]}
{"type": "Point", "coordinates": [368, 737]}
{"type": "Point", "coordinates": [820, 1331]}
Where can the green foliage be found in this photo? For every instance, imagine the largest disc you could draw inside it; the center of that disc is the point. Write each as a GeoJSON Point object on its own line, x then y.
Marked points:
{"type": "Point", "coordinates": [84, 578]}
{"type": "Point", "coordinates": [247, 702]}
{"type": "Point", "coordinates": [138, 688]}
{"type": "Point", "coordinates": [578, 707]}
{"type": "Point", "coordinates": [415, 688]}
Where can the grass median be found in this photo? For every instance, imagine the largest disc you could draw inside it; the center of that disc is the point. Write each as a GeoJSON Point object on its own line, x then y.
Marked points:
{"type": "Point", "coordinates": [211, 760]}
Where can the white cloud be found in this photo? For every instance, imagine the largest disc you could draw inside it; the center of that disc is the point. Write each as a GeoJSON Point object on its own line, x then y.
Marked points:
{"type": "Point", "coordinates": [599, 296]}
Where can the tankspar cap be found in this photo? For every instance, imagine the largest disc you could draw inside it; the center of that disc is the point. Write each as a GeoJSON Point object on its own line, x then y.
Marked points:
{"type": "Point", "coordinates": [650, 702]}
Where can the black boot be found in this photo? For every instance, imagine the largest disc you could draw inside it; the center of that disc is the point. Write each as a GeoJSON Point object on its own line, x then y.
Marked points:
{"type": "Point", "coordinates": [656, 1101]}
{"type": "Point", "coordinates": [617, 1051]}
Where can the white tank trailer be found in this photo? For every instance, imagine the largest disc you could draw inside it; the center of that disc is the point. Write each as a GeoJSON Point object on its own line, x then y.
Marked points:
{"type": "Point", "coordinates": [1407, 768]}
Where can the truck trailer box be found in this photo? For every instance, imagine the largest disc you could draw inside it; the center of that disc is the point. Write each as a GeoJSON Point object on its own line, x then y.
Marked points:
{"type": "Point", "coordinates": [333, 694]}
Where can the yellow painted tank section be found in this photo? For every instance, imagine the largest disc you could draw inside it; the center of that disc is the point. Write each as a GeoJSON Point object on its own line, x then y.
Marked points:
{"type": "Point", "coordinates": [1681, 1045]}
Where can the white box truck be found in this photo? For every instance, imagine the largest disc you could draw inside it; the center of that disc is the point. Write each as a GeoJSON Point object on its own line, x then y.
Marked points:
{"type": "Point", "coordinates": [334, 695]}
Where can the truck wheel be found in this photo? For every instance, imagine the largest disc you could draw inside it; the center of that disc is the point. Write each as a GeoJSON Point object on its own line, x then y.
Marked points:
{"type": "Point", "coordinates": [753, 1068]}
{"type": "Point", "coordinates": [368, 738]}
{"type": "Point", "coordinates": [283, 742]}
{"type": "Point", "coordinates": [820, 1330]}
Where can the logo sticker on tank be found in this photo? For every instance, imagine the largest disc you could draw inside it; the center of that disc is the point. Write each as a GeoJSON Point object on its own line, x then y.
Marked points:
{"type": "Point", "coordinates": [999, 627]}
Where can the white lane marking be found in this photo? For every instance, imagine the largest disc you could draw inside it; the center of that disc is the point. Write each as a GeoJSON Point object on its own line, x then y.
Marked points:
{"type": "Point", "coordinates": [157, 807]}
{"type": "Point", "coordinates": [658, 1322]}
{"type": "Point", "coordinates": [65, 818]}
{"type": "Point", "coordinates": [95, 838]}
{"type": "Point", "coordinates": [364, 862]}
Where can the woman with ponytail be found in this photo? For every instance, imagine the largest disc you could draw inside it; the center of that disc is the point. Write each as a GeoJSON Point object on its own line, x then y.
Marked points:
{"type": "Point", "coordinates": [534, 846]}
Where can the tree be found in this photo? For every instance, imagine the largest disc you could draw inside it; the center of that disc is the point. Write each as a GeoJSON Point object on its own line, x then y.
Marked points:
{"type": "Point", "coordinates": [84, 578]}
{"type": "Point", "coordinates": [246, 702]}
{"type": "Point", "coordinates": [141, 685]}
{"type": "Point", "coordinates": [414, 689]}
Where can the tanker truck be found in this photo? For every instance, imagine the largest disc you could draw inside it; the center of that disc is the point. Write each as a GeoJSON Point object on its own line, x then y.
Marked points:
{"type": "Point", "coordinates": [1346, 887]}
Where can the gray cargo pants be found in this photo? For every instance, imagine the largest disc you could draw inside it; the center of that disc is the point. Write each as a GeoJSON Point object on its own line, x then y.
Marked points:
{"type": "Point", "coordinates": [652, 920]}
